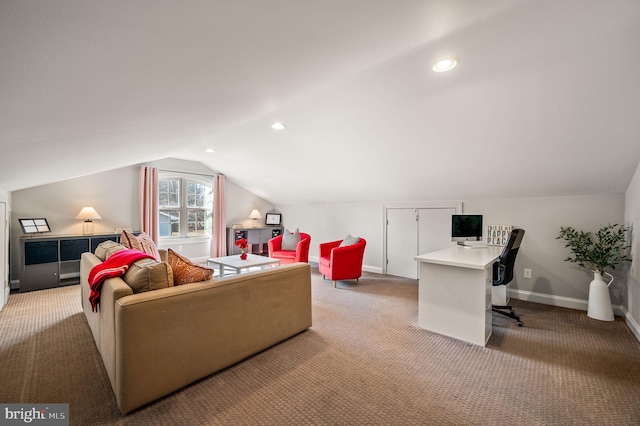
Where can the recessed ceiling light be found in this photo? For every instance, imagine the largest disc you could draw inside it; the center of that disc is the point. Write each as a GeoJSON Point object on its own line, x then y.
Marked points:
{"type": "Point", "coordinates": [446, 64]}
{"type": "Point", "coordinates": [278, 126]}
{"type": "Point", "coordinates": [210, 150]}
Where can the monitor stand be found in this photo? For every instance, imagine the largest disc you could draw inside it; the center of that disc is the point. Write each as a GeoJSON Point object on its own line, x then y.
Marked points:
{"type": "Point", "coordinates": [471, 244]}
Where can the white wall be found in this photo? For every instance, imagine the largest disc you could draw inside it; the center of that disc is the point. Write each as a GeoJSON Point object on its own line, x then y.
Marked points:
{"type": "Point", "coordinates": [114, 195]}
{"type": "Point", "coordinates": [240, 202]}
{"type": "Point", "coordinates": [330, 222]}
{"type": "Point", "coordinates": [632, 217]}
{"type": "Point", "coordinates": [541, 217]}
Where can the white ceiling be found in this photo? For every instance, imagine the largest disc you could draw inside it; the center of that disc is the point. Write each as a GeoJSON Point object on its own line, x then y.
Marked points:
{"type": "Point", "coordinates": [545, 101]}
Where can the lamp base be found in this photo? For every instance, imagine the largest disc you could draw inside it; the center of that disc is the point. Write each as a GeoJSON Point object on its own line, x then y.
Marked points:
{"type": "Point", "coordinates": [87, 227]}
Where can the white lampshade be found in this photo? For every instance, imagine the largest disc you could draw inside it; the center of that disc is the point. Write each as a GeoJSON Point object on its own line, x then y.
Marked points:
{"type": "Point", "coordinates": [255, 215]}
{"type": "Point", "coordinates": [88, 214]}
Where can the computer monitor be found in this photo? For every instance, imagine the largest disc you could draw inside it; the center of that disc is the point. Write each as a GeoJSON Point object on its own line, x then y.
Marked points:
{"type": "Point", "coordinates": [466, 227]}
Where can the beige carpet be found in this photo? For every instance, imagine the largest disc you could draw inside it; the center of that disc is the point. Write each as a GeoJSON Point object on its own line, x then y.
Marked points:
{"type": "Point", "coordinates": [364, 361]}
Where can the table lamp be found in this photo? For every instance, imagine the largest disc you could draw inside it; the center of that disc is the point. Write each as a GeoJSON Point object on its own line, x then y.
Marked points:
{"type": "Point", "coordinates": [88, 214]}
{"type": "Point", "coordinates": [255, 215]}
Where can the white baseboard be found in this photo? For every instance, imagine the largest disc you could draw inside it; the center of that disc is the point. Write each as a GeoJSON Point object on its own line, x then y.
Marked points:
{"type": "Point", "coordinates": [373, 269]}
{"type": "Point", "coordinates": [561, 301]}
{"type": "Point", "coordinates": [632, 324]}
{"type": "Point", "coordinates": [548, 299]}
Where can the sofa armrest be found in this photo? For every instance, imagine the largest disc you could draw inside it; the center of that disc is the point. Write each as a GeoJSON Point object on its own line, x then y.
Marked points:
{"type": "Point", "coordinates": [163, 255]}
{"type": "Point", "coordinates": [325, 248]}
{"type": "Point", "coordinates": [102, 323]}
{"type": "Point", "coordinates": [302, 249]}
{"type": "Point", "coordinates": [112, 290]}
{"type": "Point", "coordinates": [275, 244]}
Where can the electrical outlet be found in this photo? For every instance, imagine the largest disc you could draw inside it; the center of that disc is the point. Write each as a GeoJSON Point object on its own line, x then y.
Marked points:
{"type": "Point", "coordinates": [527, 273]}
{"type": "Point", "coordinates": [180, 249]}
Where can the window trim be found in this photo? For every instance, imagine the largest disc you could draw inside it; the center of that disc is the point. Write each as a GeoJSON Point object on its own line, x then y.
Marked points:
{"type": "Point", "coordinates": [184, 178]}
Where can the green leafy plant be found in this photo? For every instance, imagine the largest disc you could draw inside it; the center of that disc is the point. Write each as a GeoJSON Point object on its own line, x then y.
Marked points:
{"type": "Point", "coordinates": [605, 249]}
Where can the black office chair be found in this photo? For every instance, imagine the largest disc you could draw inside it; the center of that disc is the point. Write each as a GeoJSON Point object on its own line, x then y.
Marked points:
{"type": "Point", "coordinates": [503, 271]}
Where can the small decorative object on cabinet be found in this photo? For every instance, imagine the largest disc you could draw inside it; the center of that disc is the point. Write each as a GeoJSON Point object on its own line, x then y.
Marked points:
{"type": "Point", "coordinates": [605, 249]}
{"type": "Point", "coordinates": [242, 244]}
{"type": "Point", "coordinates": [257, 239]}
{"type": "Point", "coordinates": [34, 226]}
{"type": "Point", "coordinates": [54, 261]}
{"type": "Point", "coordinates": [273, 219]}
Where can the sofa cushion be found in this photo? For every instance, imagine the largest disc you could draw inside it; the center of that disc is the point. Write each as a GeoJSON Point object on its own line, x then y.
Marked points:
{"type": "Point", "coordinates": [349, 240]}
{"type": "Point", "coordinates": [284, 254]}
{"type": "Point", "coordinates": [107, 248]}
{"type": "Point", "coordinates": [290, 240]}
{"type": "Point", "coordinates": [148, 274]}
{"type": "Point", "coordinates": [324, 261]}
{"type": "Point", "coordinates": [185, 271]}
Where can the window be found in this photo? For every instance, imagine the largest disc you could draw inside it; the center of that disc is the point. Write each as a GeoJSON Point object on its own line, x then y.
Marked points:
{"type": "Point", "coordinates": [185, 206]}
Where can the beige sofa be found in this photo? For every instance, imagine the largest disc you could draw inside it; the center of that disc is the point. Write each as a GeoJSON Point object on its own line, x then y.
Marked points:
{"type": "Point", "coordinates": [156, 342]}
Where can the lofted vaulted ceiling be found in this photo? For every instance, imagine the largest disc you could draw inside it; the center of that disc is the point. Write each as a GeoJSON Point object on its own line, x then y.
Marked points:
{"type": "Point", "coordinates": [545, 100]}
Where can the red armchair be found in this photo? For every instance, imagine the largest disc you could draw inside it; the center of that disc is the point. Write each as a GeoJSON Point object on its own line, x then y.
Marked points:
{"type": "Point", "coordinates": [300, 255]}
{"type": "Point", "coordinates": [341, 263]}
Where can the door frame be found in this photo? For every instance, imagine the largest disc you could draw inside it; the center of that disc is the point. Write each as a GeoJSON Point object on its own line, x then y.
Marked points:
{"type": "Point", "coordinates": [4, 240]}
{"type": "Point", "coordinates": [457, 205]}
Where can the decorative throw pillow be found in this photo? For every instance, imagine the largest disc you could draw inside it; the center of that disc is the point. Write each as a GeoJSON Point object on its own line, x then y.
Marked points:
{"type": "Point", "coordinates": [142, 242]}
{"type": "Point", "coordinates": [129, 240]}
{"type": "Point", "coordinates": [107, 248]}
{"type": "Point", "coordinates": [349, 240]}
{"type": "Point", "coordinates": [185, 271]}
{"type": "Point", "coordinates": [148, 245]}
{"type": "Point", "coordinates": [290, 240]}
{"type": "Point", "coordinates": [147, 275]}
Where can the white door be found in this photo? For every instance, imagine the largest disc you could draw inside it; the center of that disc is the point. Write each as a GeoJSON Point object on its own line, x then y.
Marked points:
{"type": "Point", "coordinates": [415, 231]}
{"type": "Point", "coordinates": [3, 253]}
{"type": "Point", "coordinates": [434, 229]}
{"type": "Point", "coordinates": [402, 243]}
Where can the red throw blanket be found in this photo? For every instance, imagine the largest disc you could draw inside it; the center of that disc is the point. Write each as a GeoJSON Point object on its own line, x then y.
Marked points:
{"type": "Point", "coordinates": [115, 266]}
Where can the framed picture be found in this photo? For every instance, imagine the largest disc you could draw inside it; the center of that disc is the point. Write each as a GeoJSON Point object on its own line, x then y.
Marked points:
{"type": "Point", "coordinates": [497, 235]}
{"type": "Point", "coordinates": [34, 226]}
{"type": "Point", "coordinates": [273, 219]}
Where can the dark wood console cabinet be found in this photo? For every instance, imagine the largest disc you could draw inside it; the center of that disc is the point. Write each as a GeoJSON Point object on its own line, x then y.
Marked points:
{"type": "Point", "coordinates": [54, 261]}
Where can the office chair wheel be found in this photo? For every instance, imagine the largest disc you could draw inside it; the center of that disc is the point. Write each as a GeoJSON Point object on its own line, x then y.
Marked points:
{"type": "Point", "coordinates": [520, 324]}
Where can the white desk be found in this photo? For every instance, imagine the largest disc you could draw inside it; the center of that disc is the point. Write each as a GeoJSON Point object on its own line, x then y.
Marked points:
{"type": "Point", "coordinates": [454, 293]}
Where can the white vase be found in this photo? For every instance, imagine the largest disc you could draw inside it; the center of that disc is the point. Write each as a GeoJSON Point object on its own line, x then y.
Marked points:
{"type": "Point", "coordinates": [599, 299]}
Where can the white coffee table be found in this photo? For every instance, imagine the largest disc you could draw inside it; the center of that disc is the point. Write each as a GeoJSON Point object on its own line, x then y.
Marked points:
{"type": "Point", "coordinates": [235, 264]}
